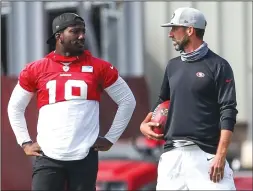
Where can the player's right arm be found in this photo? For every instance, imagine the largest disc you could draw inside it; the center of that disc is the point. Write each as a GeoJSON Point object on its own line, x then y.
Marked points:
{"type": "Point", "coordinates": [147, 126]}
{"type": "Point", "coordinates": [164, 91]}
{"type": "Point", "coordinates": [20, 98]}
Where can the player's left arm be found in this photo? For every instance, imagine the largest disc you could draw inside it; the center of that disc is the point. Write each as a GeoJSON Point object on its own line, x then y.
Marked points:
{"type": "Point", "coordinates": [121, 94]}
{"type": "Point", "coordinates": [227, 101]}
{"type": "Point", "coordinates": [226, 91]}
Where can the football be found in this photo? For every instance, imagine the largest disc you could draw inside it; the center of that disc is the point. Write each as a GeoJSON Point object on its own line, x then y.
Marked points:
{"type": "Point", "coordinates": [160, 116]}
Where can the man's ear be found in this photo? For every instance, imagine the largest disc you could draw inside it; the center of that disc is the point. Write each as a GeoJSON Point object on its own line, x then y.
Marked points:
{"type": "Point", "coordinates": [58, 36]}
{"type": "Point", "coordinates": [190, 31]}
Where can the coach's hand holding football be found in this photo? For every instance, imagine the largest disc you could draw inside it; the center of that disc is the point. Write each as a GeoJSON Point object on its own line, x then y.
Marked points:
{"type": "Point", "coordinates": [147, 128]}
{"type": "Point", "coordinates": [102, 144]}
{"type": "Point", "coordinates": [32, 149]}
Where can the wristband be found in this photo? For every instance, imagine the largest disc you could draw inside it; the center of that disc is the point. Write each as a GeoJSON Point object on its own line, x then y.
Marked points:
{"type": "Point", "coordinates": [27, 142]}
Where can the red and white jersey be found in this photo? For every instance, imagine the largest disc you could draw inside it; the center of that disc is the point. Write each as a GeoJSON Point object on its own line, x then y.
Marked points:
{"type": "Point", "coordinates": [68, 94]}
{"type": "Point", "coordinates": [56, 78]}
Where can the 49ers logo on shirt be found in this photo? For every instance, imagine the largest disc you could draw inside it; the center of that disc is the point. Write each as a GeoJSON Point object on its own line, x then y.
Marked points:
{"type": "Point", "coordinates": [200, 74]}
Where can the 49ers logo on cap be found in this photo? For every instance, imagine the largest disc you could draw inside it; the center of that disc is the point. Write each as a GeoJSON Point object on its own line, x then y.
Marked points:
{"type": "Point", "coordinates": [200, 74]}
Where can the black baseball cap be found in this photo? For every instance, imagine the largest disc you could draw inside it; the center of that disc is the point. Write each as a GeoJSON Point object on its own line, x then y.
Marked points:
{"type": "Point", "coordinates": [63, 21]}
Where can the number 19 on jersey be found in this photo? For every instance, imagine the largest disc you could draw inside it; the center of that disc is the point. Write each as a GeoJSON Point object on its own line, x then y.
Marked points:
{"type": "Point", "coordinates": [69, 84]}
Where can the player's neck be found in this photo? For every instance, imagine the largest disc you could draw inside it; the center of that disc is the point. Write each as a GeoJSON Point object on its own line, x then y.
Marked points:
{"type": "Point", "coordinates": [193, 45]}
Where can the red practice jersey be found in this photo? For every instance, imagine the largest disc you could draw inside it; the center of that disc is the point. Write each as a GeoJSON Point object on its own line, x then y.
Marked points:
{"type": "Point", "coordinates": [56, 78]}
{"type": "Point", "coordinates": [68, 93]}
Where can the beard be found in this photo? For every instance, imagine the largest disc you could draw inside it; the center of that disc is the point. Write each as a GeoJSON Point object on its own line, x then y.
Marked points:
{"type": "Point", "coordinates": [74, 47]}
{"type": "Point", "coordinates": [180, 44]}
{"type": "Point", "coordinates": [78, 46]}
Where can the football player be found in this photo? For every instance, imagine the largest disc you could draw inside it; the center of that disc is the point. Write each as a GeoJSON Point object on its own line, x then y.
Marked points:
{"type": "Point", "coordinates": [68, 83]}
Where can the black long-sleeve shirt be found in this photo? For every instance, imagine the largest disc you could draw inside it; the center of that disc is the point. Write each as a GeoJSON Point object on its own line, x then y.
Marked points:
{"type": "Point", "coordinates": [202, 101]}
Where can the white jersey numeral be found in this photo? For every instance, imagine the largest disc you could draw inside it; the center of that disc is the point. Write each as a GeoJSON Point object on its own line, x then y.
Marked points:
{"type": "Point", "coordinates": [75, 83]}
{"type": "Point", "coordinates": [51, 86]}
